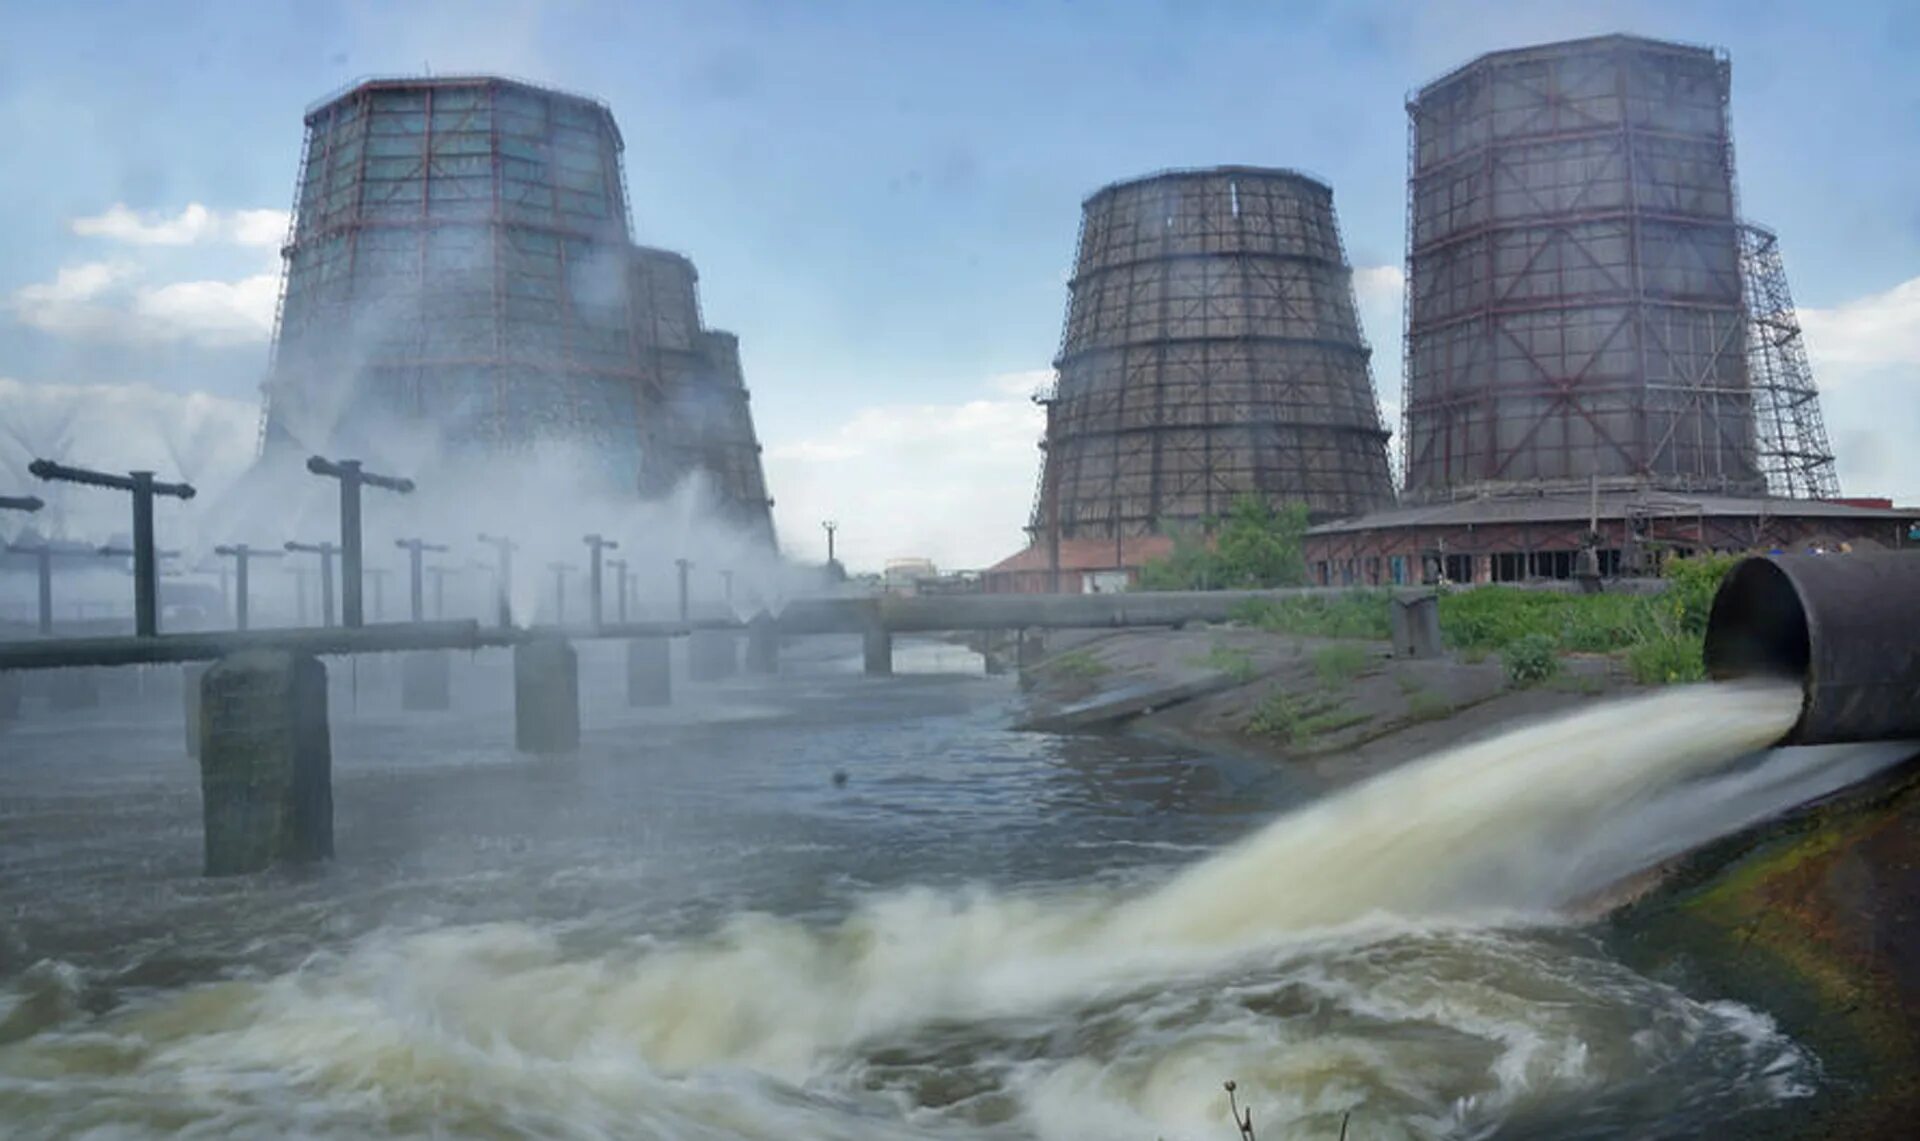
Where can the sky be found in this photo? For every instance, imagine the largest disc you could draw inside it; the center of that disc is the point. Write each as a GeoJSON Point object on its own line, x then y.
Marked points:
{"type": "Point", "coordinates": [881, 197]}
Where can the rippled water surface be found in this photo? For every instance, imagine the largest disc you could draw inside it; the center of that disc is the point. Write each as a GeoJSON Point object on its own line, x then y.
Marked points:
{"type": "Point", "coordinates": [691, 930]}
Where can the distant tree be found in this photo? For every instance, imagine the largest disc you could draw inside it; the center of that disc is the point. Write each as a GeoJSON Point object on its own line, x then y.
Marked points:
{"type": "Point", "coordinates": [1253, 546]}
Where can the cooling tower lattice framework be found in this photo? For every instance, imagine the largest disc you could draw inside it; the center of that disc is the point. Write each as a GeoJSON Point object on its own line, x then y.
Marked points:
{"type": "Point", "coordinates": [456, 260]}
{"type": "Point", "coordinates": [1574, 300]}
{"type": "Point", "coordinates": [1211, 350]}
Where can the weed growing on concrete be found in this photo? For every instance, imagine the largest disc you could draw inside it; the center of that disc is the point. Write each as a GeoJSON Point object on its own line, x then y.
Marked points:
{"type": "Point", "coordinates": [1355, 614]}
{"type": "Point", "coordinates": [1234, 661]}
{"type": "Point", "coordinates": [1409, 685]}
{"type": "Point", "coordinates": [1530, 660]}
{"type": "Point", "coordinates": [1078, 665]}
{"type": "Point", "coordinates": [1338, 665]}
{"type": "Point", "coordinates": [1275, 716]}
{"type": "Point", "coordinates": [1427, 706]}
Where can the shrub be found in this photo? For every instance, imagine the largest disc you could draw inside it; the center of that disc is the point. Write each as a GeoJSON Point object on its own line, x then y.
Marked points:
{"type": "Point", "coordinates": [1530, 660]}
{"type": "Point", "coordinates": [1338, 664]}
{"type": "Point", "coordinates": [1234, 661]}
{"type": "Point", "coordinates": [1326, 721]}
{"type": "Point", "coordinates": [1354, 614]}
{"type": "Point", "coordinates": [1275, 716]}
{"type": "Point", "coordinates": [1426, 706]}
{"type": "Point", "coordinates": [1254, 546]}
{"type": "Point", "coordinates": [1668, 658]}
{"type": "Point", "coordinates": [1078, 665]}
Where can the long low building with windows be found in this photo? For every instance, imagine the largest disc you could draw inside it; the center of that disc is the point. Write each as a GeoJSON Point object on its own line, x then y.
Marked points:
{"type": "Point", "coordinates": [1515, 538]}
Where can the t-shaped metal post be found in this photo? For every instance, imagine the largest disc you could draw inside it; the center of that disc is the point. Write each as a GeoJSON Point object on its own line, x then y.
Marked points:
{"type": "Point", "coordinates": [326, 551]}
{"type": "Point", "coordinates": [504, 547]}
{"type": "Point", "coordinates": [351, 480]}
{"type": "Point", "coordinates": [440, 588]}
{"type": "Point", "coordinates": [597, 544]}
{"type": "Point", "coordinates": [726, 587]}
{"type": "Point", "coordinates": [414, 547]}
{"type": "Point", "coordinates": [43, 563]}
{"type": "Point", "coordinates": [620, 582]}
{"type": "Point", "coordinates": [146, 573]}
{"type": "Point", "coordinates": [241, 554]}
{"type": "Point", "coordinates": [560, 590]}
{"type": "Point", "coordinates": [684, 566]}
{"type": "Point", "coordinates": [21, 503]}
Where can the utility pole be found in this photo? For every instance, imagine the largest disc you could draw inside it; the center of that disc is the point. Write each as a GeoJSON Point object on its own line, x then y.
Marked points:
{"type": "Point", "coordinates": [830, 527]}
{"type": "Point", "coordinates": [326, 551]}
{"type": "Point", "coordinates": [146, 572]}
{"type": "Point", "coordinates": [414, 547]}
{"type": "Point", "coordinates": [351, 480]}
{"type": "Point", "coordinates": [684, 566]}
{"type": "Point", "coordinates": [560, 590]}
{"type": "Point", "coordinates": [43, 566]}
{"type": "Point", "coordinates": [620, 581]}
{"type": "Point", "coordinates": [503, 547]}
{"type": "Point", "coordinates": [597, 545]}
{"type": "Point", "coordinates": [241, 554]}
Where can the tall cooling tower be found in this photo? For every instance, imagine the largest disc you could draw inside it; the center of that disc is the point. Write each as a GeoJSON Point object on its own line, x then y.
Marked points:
{"type": "Point", "coordinates": [1574, 304]}
{"type": "Point", "coordinates": [1211, 351]}
{"type": "Point", "coordinates": [707, 422]}
{"type": "Point", "coordinates": [457, 265]}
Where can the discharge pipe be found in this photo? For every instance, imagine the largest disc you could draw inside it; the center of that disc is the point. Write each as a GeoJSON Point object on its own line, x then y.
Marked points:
{"type": "Point", "coordinates": [1846, 627]}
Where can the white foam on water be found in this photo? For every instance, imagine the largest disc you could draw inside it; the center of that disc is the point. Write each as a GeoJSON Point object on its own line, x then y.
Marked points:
{"type": "Point", "coordinates": [1390, 951]}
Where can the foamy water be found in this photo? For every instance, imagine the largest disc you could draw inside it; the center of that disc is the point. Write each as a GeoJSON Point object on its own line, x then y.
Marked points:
{"type": "Point", "coordinates": [1394, 951]}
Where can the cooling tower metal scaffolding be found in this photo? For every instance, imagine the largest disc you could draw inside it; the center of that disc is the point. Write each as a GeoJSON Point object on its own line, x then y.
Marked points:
{"type": "Point", "coordinates": [1211, 350]}
{"type": "Point", "coordinates": [1575, 308]}
{"type": "Point", "coordinates": [460, 265]}
{"type": "Point", "coordinates": [1792, 436]}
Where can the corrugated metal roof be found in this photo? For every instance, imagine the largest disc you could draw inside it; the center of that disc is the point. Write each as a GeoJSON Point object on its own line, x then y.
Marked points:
{"type": "Point", "coordinates": [1565, 508]}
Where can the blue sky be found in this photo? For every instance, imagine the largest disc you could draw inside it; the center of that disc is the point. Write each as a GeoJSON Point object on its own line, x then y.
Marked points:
{"type": "Point", "coordinates": [882, 197]}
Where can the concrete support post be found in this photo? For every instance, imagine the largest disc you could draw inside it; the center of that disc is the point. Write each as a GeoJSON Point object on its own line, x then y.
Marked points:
{"type": "Point", "coordinates": [9, 695]}
{"type": "Point", "coordinates": [876, 643]}
{"type": "Point", "coordinates": [191, 677]}
{"type": "Point", "coordinates": [266, 762]}
{"type": "Point", "coordinates": [1031, 649]}
{"type": "Point", "coordinates": [649, 672]}
{"type": "Point", "coordinates": [546, 697]}
{"type": "Point", "coordinates": [712, 655]}
{"type": "Point", "coordinates": [1414, 623]}
{"type": "Point", "coordinates": [426, 681]}
{"type": "Point", "coordinates": [763, 645]}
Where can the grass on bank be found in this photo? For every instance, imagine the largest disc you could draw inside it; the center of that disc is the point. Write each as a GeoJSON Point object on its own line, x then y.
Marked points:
{"type": "Point", "coordinates": [1658, 636]}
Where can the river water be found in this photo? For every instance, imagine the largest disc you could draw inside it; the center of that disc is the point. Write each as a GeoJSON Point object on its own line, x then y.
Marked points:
{"type": "Point", "coordinates": [693, 930]}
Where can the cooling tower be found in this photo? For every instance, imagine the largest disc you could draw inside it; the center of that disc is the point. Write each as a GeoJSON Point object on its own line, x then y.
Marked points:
{"type": "Point", "coordinates": [1211, 351]}
{"type": "Point", "coordinates": [1574, 303]}
{"type": "Point", "coordinates": [456, 266]}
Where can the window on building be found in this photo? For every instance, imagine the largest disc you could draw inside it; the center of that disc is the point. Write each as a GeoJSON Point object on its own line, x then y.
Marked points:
{"type": "Point", "coordinates": [1397, 567]}
{"type": "Point", "coordinates": [1459, 568]}
{"type": "Point", "coordinates": [1373, 571]}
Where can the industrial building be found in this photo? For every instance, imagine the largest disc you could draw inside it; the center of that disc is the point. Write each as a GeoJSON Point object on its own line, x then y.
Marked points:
{"type": "Point", "coordinates": [1600, 351]}
{"type": "Point", "coordinates": [461, 264]}
{"type": "Point", "coordinates": [1211, 350]}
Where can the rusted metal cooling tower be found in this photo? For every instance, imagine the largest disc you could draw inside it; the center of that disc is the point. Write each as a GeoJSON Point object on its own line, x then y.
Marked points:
{"type": "Point", "coordinates": [1211, 351]}
{"type": "Point", "coordinates": [1574, 277]}
{"type": "Point", "coordinates": [707, 422]}
{"type": "Point", "coordinates": [455, 267]}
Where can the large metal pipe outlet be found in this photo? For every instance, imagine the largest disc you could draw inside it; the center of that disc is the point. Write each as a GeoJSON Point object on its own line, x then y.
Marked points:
{"type": "Point", "coordinates": [1846, 627]}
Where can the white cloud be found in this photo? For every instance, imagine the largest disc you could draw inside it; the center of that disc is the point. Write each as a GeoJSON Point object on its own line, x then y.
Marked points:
{"type": "Point", "coordinates": [1379, 284]}
{"type": "Point", "coordinates": [950, 482]}
{"type": "Point", "coordinates": [1866, 360]}
{"type": "Point", "coordinates": [260, 229]}
{"type": "Point", "coordinates": [111, 300]}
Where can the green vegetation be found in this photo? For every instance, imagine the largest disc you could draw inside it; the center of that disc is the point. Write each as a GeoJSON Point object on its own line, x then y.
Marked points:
{"type": "Point", "coordinates": [1234, 661]}
{"type": "Point", "coordinates": [1254, 546]}
{"type": "Point", "coordinates": [1296, 720]}
{"type": "Point", "coordinates": [1337, 665]}
{"type": "Point", "coordinates": [1530, 660]}
{"type": "Point", "coordinates": [1354, 614]}
{"type": "Point", "coordinates": [1078, 665]}
{"type": "Point", "coordinates": [1425, 705]}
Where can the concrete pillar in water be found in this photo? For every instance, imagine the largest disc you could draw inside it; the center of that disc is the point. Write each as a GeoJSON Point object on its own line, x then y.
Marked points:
{"type": "Point", "coordinates": [712, 655]}
{"type": "Point", "coordinates": [191, 675]}
{"type": "Point", "coordinates": [426, 680]}
{"type": "Point", "coordinates": [1030, 648]}
{"type": "Point", "coordinates": [1414, 622]}
{"type": "Point", "coordinates": [546, 697]}
{"type": "Point", "coordinates": [73, 689]}
{"type": "Point", "coordinates": [650, 671]}
{"type": "Point", "coordinates": [266, 761]}
{"type": "Point", "coordinates": [876, 644]}
{"type": "Point", "coordinates": [763, 645]}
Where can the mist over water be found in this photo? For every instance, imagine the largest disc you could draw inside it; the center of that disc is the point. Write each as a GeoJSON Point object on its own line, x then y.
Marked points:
{"type": "Point", "coordinates": [1400, 950]}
